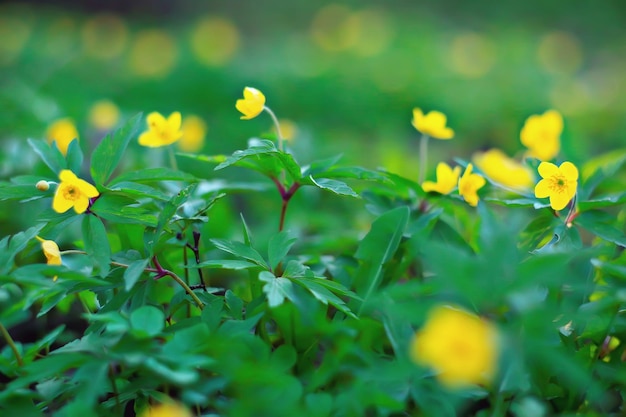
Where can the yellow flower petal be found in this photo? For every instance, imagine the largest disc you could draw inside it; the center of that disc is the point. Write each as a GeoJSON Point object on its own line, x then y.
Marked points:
{"type": "Point", "coordinates": [252, 103]}
{"type": "Point", "coordinates": [156, 120]}
{"type": "Point", "coordinates": [558, 201]}
{"type": "Point", "coordinates": [446, 179]}
{"type": "Point", "coordinates": [59, 203]}
{"type": "Point", "coordinates": [161, 131]}
{"type": "Point", "coordinates": [72, 192]}
{"type": "Point", "coordinates": [547, 169]}
{"type": "Point", "coordinates": [174, 121]}
{"type": "Point", "coordinates": [569, 170]}
{"type": "Point", "coordinates": [432, 124]}
{"type": "Point", "coordinates": [67, 176]}
{"type": "Point", "coordinates": [542, 189]}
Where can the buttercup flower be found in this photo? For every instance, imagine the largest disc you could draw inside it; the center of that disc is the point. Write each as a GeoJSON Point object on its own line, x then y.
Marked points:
{"type": "Point", "coordinates": [469, 184]}
{"type": "Point", "coordinates": [459, 346]}
{"type": "Point", "coordinates": [447, 179]}
{"type": "Point", "coordinates": [161, 131]}
{"type": "Point", "coordinates": [166, 410]}
{"type": "Point", "coordinates": [72, 192]}
{"type": "Point", "coordinates": [558, 183]}
{"type": "Point", "coordinates": [252, 103]}
{"type": "Point", "coordinates": [541, 135]}
{"type": "Point", "coordinates": [194, 130]}
{"type": "Point", "coordinates": [432, 124]}
{"type": "Point", "coordinates": [504, 170]}
{"type": "Point", "coordinates": [62, 131]}
{"type": "Point", "coordinates": [51, 252]}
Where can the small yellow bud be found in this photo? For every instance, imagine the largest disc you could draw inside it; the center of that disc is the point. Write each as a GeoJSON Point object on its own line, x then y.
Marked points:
{"type": "Point", "coordinates": [42, 185]}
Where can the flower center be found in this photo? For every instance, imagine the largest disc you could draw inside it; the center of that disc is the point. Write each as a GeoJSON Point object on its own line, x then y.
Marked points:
{"type": "Point", "coordinates": [558, 183]}
{"type": "Point", "coordinates": [71, 193]}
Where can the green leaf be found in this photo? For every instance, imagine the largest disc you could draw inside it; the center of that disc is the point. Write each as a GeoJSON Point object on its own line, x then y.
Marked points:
{"type": "Point", "coordinates": [335, 186]}
{"type": "Point", "coordinates": [324, 295]}
{"type": "Point", "coordinates": [133, 272]}
{"type": "Point", "coordinates": [74, 156]}
{"type": "Point", "coordinates": [167, 212]}
{"type": "Point", "coordinates": [235, 304]}
{"type": "Point", "coordinates": [23, 187]}
{"type": "Point", "coordinates": [606, 200]}
{"type": "Point", "coordinates": [148, 321]}
{"type": "Point", "coordinates": [597, 222]}
{"type": "Point", "coordinates": [136, 190]}
{"type": "Point", "coordinates": [278, 247]}
{"type": "Point", "coordinates": [246, 231]}
{"type": "Point", "coordinates": [377, 248]}
{"type": "Point", "coordinates": [241, 250]}
{"type": "Point", "coordinates": [320, 166]}
{"type": "Point", "coordinates": [11, 245]}
{"type": "Point", "coordinates": [97, 243]}
{"type": "Point", "coordinates": [233, 264]}
{"type": "Point", "coordinates": [50, 154]}
{"type": "Point", "coordinates": [153, 175]}
{"type": "Point", "coordinates": [110, 150]}
{"type": "Point", "coordinates": [119, 207]}
{"type": "Point", "coordinates": [277, 289]}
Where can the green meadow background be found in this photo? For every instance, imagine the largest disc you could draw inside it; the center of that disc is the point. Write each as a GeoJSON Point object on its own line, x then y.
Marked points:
{"type": "Point", "coordinates": [347, 74]}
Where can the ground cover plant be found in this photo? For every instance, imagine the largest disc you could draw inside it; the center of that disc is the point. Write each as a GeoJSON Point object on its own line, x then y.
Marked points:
{"type": "Point", "coordinates": [487, 286]}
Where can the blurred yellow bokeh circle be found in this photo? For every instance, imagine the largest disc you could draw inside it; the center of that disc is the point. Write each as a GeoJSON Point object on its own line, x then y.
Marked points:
{"type": "Point", "coordinates": [194, 130]}
{"type": "Point", "coordinates": [471, 55]}
{"type": "Point", "coordinates": [570, 96]}
{"type": "Point", "coordinates": [104, 115]}
{"type": "Point", "coordinates": [104, 36]}
{"type": "Point", "coordinates": [560, 53]}
{"type": "Point", "coordinates": [373, 29]}
{"type": "Point", "coordinates": [333, 28]}
{"type": "Point", "coordinates": [214, 41]}
{"type": "Point", "coordinates": [153, 53]}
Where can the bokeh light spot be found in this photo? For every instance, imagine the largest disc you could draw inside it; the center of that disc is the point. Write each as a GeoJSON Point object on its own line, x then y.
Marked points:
{"type": "Point", "coordinates": [332, 28]}
{"type": "Point", "coordinates": [104, 36]}
{"type": "Point", "coordinates": [214, 41]}
{"type": "Point", "coordinates": [472, 55]}
{"type": "Point", "coordinates": [153, 53]}
{"type": "Point", "coordinates": [560, 53]}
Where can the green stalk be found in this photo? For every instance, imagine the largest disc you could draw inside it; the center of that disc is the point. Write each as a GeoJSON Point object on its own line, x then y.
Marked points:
{"type": "Point", "coordinates": [11, 343]}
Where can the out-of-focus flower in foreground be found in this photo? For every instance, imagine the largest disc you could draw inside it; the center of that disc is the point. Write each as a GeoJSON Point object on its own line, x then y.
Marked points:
{"type": "Point", "coordinates": [166, 410]}
{"type": "Point", "coordinates": [432, 124]}
{"type": "Point", "coordinates": [161, 131]}
{"type": "Point", "coordinates": [104, 115]}
{"type": "Point", "coordinates": [72, 192]}
{"type": "Point", "coordinates": [469, 184]}
{"type": "Point", "coordinates": [51, 252]}
{"type": "Point", "coordinates": [504, 170]}
{"type": "Point", "coordinates": [459, 346]}
{"type": "Point", "coordinates": [62, 131]}
{"type": "Point", "coordinates": [194, 130]}
{"type": "Point", "coordinates": [541, 134]}
{"type": "Point", "coordinates": [252, 103]}
{"type": "Point", "coordinates": [558, 183]}
{"type": "Point", "coordinates": [447, 179]}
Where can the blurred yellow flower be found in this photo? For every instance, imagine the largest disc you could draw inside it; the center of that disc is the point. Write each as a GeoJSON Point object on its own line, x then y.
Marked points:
{"type": "Point", "coordinates": [72, 192]}
{"type": "Point", "coordinates": [153, 53]}
{"type": "Point", "coordinates": [104, 115]}
{"type": "Point", "coordinates": [194, 130]}
{"type": "Point", "coordinates": [62, 131]}
{"type": "Point", "coordinates": [461, 347]}
{"type": "Point", "coordinates": [166, 410]}
{"type": "Point", "coordinates": [558, 183]}
{"type": "Point", "coordinates": [252, 103]}
{"type": "Point", "coordinates": [447, 179]}
{"type": "Point", "coordinates": [541, 135]}
{"type": "Point", "coordinates": [288, 129]}
{"type": "Point", "coordinates": [432, 124]}
{"type": "Point", "coordinates": [214, 41]}
{"type": "Point", "coordinates": [51, 252]}
{"type": "Point", "coordinates": [161, 131]}
{"type": "Point", "coordinates": [504, 170]}
{"type": "Point", "coordinates": [469, 184]}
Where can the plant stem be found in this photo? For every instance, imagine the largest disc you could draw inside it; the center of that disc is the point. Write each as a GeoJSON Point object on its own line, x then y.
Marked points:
{"type": "Point", "coordinates": [285, 195]}
{"type": "Point", "coordinates": [279, 135]}
{"type": "Point", "coordinates": [172, 158]}
{"type": "Point", "coordinates": [161, 272]}
{"type": "Point", "coordinates": [572, 214]}
{"type": "Point", "coordinates": [423, 158]}
{"type": "Point", "coordinates": [115, 390]}
{"type": "Point", "coordinates": [11, 343]}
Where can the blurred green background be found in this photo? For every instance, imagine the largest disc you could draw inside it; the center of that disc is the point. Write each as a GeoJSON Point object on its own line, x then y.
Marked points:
{"type": "Point", "coordinates": [346, 74]}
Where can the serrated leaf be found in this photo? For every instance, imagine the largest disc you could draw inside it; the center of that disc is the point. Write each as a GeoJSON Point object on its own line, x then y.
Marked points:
{"type": "Point", "coordinates": [241, 250]}
{"type": "Point", "coordinates": [278, 247]}
{"type": "Point", "coordinates": [50, 154]}
{"type": "Point", "coordinates": [153, 175]}
{"type": "Point", "coordinates": [335, 186]}
{"type": "Point", "coordinates": [111, 148]}
{"type": "Point", "coordinates": [97, 243]}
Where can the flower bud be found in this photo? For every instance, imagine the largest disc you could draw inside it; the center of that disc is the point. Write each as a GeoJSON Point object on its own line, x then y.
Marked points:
{"type": "Point", "coordinates": [42, 185]}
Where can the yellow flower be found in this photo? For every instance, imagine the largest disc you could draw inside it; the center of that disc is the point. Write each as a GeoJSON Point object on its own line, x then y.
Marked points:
{"type": "Point", "coordinates": [288, 129]}
{"type": "Point", "coordinates": [432, 124]}
{"type": "Point", "coordinates": [104, 115]}
{"type": "Point", "coordinates": [447, 179]}
{"type": "Point", "coordinates": [541, 135]}
{"type": "Point", "coordinates": [51, 252]}
{"type": "Point", "coordinates": [161, 131]}
{"type": "Point", "coordinates": [166, 410]}
{"type": "Point", "coordinates": [62, 131]}
{"type": "Point", "coordinates": [72, 192]}
{"type": "Point", "coordinates": [461, 347]}
{"type": "Point", "coordinates": [194, 130]}
{"type": "Point", "coordinates": [469, 184]}
{"type": "Point", "coordinates": [504, 170]}
{"type": "Point", "coordinates": [558, 183]}
{"type": "Point", "coordinates": [252, 103]}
